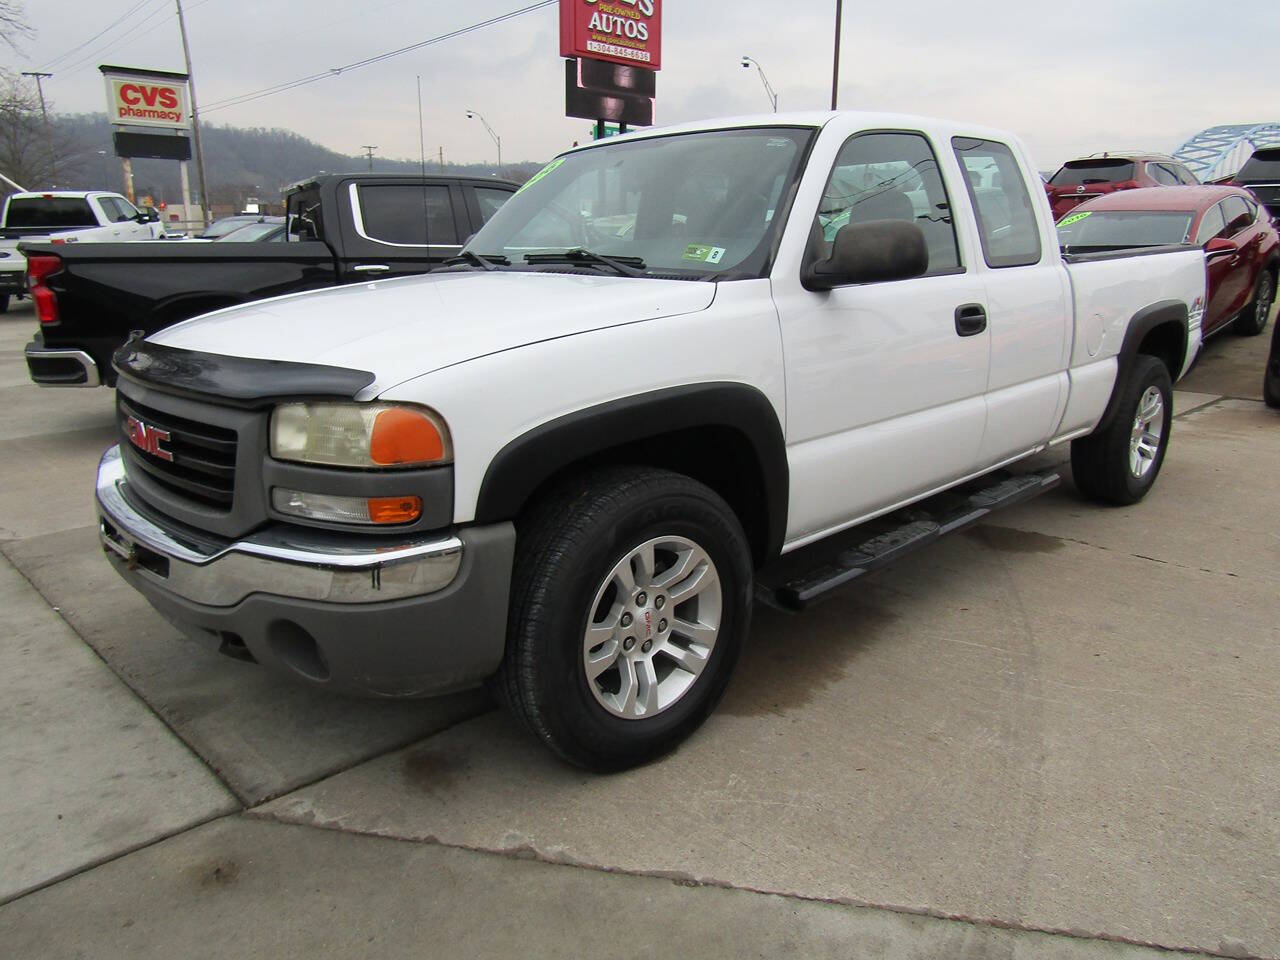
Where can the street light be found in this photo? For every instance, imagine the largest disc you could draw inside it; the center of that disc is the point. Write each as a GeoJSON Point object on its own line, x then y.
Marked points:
{"type": "Point", "coordinates": [106, 177]}
{"type": "Point", "coordinates": [768, 89]}
{"type": "Point", "coordinates": [472, 115]}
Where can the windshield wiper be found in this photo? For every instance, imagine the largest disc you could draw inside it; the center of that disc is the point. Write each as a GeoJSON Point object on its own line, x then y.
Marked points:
{"type": "Point", "coordinates": [624, 266]}
{"type": "Point", "coordinates": [489, 262]}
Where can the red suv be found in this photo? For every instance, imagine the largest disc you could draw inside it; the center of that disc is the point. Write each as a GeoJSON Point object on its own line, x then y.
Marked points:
{"type": "Point", "coordinates": [1081, 180]}
{"type": "Point", "coordinates": [1242, 249]}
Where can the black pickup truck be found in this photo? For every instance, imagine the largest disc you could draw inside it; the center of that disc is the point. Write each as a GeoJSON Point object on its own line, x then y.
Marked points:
{"type": "Point", "coordinates": [341, 228]}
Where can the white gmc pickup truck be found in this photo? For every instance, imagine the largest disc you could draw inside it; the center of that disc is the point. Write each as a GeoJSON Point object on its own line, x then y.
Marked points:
{"type": "Point", "coordinates": [678, 371]}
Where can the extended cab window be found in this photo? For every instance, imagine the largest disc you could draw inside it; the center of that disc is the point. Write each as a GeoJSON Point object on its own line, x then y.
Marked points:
{"type": "Point", "coordinates": [890, 176]}
{"type": "Point", "coordinates": [406, 214]}
{"type": "Point", "coordinates": [1006, 220]}
{"type": "Point", "coordinates": [52, 212]}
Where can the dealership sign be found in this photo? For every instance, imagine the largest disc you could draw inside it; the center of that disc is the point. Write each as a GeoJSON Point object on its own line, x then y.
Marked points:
{"type": "Point", "coordinates": [147, 98]}
{"type": "Point", "coordinates": [620, 31]}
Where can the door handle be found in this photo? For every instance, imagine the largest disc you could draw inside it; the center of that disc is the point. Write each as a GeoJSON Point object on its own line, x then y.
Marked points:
{"type": "Point", "coordinates": [370, 268]}
{"type": "Point", "coordinates": [971, 319]}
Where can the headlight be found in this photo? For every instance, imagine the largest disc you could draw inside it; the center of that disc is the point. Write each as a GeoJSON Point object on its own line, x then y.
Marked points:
{"type": "Point", "coordinates": [368, 435]}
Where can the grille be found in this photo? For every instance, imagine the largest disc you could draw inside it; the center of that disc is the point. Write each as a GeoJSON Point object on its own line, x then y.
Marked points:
{"type": "Point", "coordinates": [204, 456]}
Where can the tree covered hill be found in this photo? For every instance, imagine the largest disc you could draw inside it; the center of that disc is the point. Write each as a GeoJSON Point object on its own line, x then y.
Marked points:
{"type": "Point", "coordinates": [239, 163]}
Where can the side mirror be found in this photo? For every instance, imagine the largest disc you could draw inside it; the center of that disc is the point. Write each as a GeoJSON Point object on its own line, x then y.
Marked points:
{"type": "Point", "coordinates": [873, 252]}
{"type": "Point", "coordinates": [1220, 247]}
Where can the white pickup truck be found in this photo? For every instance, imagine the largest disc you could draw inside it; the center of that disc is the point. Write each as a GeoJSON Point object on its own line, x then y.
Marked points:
{"type": "Point", "coordinates": [678, 371]}
{"type": "Point", "coordinates": [63, 216]}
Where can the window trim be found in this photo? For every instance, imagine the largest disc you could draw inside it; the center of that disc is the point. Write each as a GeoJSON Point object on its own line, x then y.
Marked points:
{"type": "Point", "coordinates": [961, 266]}
{"type": "Point", "coordinates": [357, 218]}
{"type": "Point", "coordinates": [1038, 232]}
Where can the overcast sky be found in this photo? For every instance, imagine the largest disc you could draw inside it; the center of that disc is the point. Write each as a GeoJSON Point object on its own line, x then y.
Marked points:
{"type": "Point", "coordinates": [1069, 77]}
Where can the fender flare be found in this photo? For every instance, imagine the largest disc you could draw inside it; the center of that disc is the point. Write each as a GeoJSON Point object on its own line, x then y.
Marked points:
{"type": "Point", "coordinates": [528, 461]}
{"type": "Point", "coordinates": [1143, 322]}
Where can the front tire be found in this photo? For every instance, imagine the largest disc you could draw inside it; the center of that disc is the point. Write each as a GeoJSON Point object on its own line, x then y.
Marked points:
{"type": "Point", "coordinates": [1253, 320]}
{"type": "Point", "coordinates": [1119, 464]}
{"type": "Point", "coordinates": [631, 599]}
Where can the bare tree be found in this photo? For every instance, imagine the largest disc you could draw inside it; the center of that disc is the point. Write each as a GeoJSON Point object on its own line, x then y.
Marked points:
{"type": "Point", "coordinates": [30, 150]}
{"type": "Point", "coordinates": [13, 23]}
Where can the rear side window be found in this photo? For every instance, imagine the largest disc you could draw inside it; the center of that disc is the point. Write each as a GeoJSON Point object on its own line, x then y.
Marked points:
{"type": "Point", "coordinates": [1236, 212]}
{"type": "Point", "coordinates": [114, 210]}
{"type": "Point", "coordinates": [1262, 167]}
{"type": "Point", "coordinates": [490, 201]}
{"type": "Point", "coordinates": [407, 214]}
{"type": "Point", "coordinates": [1163, 174]}
{"type": "Point", "coordinates": [1185, 176]}
{"type": "Point", "coordinates": [1006, 219]}
{"type": "Point", "coordinates": [1210, 225]}
{"type": "Point", "coordinates": [51, 212]}
{"type": "Point", "coordinates": [1074, 173]}
{"type": "Point", "coordinates": [890, 176]}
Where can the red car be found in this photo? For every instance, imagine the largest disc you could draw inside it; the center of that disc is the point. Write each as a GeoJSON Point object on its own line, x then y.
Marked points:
{"type": "Point", "coordinates": [1242, 249]}
{"type": "Point", "coordinates": [1081, 180]}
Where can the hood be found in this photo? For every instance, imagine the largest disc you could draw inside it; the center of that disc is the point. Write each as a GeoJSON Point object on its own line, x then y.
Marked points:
{"type": "Point", "coordinates": [403, 328]}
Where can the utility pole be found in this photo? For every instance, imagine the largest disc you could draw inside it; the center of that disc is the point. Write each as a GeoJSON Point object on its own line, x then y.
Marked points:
{"type": "Point", "coordinates": [442, 159]}
{"type": "Point", "coordinates": [44, 113]}
{"type": "Point", "coordinates": [195, 118]}
{"type": "Point", "coordinates": [835, 68]}
{"type": "Point", "coordinates": [369, 152]}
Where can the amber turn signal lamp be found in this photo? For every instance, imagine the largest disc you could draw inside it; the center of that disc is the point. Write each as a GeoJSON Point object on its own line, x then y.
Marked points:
{"type": "Point", "coordinates": [405, 436]}
{"type": "Point", "coordinates": [383, 510]}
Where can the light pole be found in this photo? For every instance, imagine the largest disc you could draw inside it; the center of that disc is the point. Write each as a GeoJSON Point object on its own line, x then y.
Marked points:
{"type": "Point", "coordinates": [768, 88]}
{"type": "Point", "coordinates": [835, 66]}
{"type": "Point", "coordinates": [105, 175]}
{"type": "Point", "coordinates": [471, 114]}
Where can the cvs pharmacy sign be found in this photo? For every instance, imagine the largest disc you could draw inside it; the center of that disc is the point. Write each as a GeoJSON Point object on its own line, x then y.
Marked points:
{"type": "Point", "coordinates": [619, 31]}
{"type": "Point", "coordinates": [147, 99]}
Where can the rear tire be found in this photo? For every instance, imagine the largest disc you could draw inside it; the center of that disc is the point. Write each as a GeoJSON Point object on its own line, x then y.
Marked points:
{"type": "Point", "coordinates": [4, 303]}
{"type": "Point", "coordinates": [1253, 320]}
{"type": "Point", "coordinates": [1119, 463]}
{"type": "Point", "coordinates": [630, 602]}
{"type": "Point", "coordinates": [1271, 377]}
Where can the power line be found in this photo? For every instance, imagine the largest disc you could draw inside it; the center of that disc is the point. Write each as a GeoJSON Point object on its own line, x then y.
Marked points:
{"type": "Point", "coordinates": [105, 30]}
{"type": "Point", "coordinates": [336, 71]}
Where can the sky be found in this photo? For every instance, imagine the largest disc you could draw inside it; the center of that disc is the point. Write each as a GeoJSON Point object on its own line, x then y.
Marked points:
{"type": "Point", "coordinates": [1070, 78]}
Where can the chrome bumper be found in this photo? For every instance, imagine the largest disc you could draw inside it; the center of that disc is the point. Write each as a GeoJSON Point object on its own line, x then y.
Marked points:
{"type": "Point", "coordinates": [283, 561]}
{"type": "Point", "coordinates": [77, 358]}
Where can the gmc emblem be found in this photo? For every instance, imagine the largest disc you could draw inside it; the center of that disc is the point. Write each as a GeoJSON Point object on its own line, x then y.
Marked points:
{"type": "Point", "coordinates": [146, 438]}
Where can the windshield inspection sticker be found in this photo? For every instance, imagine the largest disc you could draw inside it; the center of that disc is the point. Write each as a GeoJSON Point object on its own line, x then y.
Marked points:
{"type": "Point", "coordinates": [541, 173]}
{"type": "Point", "coordinates": [703, 253]}
{"type": "Point", "coordinates": [1074, 218]}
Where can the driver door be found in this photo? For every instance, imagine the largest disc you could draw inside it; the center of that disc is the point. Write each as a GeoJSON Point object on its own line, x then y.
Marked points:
{"type": "Point", "coordinates": [885, 384]}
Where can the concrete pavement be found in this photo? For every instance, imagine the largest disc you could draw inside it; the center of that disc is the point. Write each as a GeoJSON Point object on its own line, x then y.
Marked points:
{"type": "Point", "coordinates": [1054, 736]}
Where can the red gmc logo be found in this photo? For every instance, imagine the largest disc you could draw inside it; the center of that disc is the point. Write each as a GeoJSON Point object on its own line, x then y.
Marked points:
{"type": "Point", "coordinates": [147, 438]}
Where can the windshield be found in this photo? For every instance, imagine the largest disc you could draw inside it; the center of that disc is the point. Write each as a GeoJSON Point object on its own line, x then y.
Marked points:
{"type": "Point", "coordinates": [1124, 228]}
{"type": "Point", "coordinates": [50, 212]}
{"type": "Point", "coordinates": [700, 205]}
{"type": "Point", "coordinates": [220, 228]}
{"type": "Point", "coordinates": [253, 232]}
{"type": "Point", "coordinates": [1078, 172]}
{"type": "Point", "coordinates": [1262, 167]}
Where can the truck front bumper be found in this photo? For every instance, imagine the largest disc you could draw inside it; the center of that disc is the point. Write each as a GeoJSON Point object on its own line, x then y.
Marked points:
{"type": "Point", "coordinates": [376, 616]}
{"type": "Point", "coordinates": [60, 367]}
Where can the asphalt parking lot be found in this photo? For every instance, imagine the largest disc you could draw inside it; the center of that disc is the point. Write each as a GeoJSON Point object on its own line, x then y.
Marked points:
{"type": "Point", "coordinates": [1055, 736]}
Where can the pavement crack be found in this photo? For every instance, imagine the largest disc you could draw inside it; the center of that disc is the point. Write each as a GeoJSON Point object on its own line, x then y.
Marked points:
{"type": "Point", "coordinates": [522, 848]}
